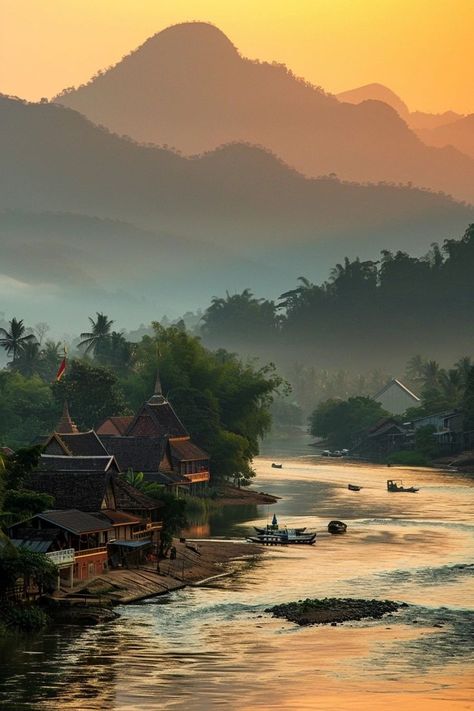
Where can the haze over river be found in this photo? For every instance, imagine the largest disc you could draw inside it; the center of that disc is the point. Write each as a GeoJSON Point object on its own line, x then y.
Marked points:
{"type": "Point", "coordinates": [213, 646]}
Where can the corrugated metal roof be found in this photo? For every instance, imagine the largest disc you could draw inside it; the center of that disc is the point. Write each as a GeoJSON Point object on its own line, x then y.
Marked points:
{"type": "Point", "coordinates": [35, 546]}
{"type": "Point", "coordinates": [131, 544]}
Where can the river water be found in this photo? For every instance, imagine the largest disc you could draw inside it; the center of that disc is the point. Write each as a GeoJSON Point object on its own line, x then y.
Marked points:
{"type": "Point", "coordinates": [214, 646]}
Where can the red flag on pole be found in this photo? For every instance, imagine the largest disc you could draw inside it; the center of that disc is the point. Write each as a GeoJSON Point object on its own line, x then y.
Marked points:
{"type": "Point", "coordinates": [62, 368]}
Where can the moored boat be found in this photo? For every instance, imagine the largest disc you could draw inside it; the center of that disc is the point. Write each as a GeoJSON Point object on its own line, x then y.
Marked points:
{"type": "Point", "coordinates": [337, 527]}
{"type": "Point", "coordinates": [354, 487]}
{"type": "Point", "coordinates": [274, 528]}
{"type": "Point", "coordinates": [396, 485]}
{"type": "Point", "coordinates": [284, 538]}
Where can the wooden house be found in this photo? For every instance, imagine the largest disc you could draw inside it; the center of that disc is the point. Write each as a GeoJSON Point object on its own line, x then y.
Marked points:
{"type": "Point", "coordinates": [396, 398]}
{"type": "Point", "coordinates": [93, 484]}
{"type": "Point", "coordinates": [155, 420]}
{"type": "Point", "coordinates": [75, 540]}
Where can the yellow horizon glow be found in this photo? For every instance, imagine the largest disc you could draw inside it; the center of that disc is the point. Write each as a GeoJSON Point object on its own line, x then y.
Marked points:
{"type": "Point", "coordinates": [421, 49]}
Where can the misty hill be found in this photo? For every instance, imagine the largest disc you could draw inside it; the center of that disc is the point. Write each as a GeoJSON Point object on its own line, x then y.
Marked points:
{"type": "Point", "coordinates": [189, 87]}
{"type": "Point", "coordinates": [85, 263]}
{"type": "Point", "coordinates": [415, 119]}
{"type": "Point", "coordinates": [376, 92]}
{"type": "Point", "coordinates": [53, 159]}
{"type": "Point", "coordinates": [459, 134]}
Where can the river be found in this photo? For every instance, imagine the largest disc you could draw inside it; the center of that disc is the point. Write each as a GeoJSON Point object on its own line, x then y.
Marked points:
{"type": "Point", "coordinates": [214, 646]}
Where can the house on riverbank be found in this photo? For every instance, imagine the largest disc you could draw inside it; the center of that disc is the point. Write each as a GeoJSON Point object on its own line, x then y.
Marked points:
{"type": "Point", "coordinates": [74, 540]}
{"type": "Point", "coordinates": [156, 442]}
{"type": "Point", "coordinates": [396, 398]}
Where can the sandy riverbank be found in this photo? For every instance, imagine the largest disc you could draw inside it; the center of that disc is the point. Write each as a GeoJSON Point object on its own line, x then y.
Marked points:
{"type": "Point", "coordinates": [195, 563]}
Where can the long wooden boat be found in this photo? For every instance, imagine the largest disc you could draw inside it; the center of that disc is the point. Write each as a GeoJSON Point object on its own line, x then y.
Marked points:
{"type": "Point", "coordinates": [283, 539]}
{"type": "Point", "coordinates": [271, 529]}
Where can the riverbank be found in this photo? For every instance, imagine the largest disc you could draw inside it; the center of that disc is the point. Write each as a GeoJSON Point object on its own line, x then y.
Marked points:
{"type": "Point", "coordinates": [235, 495]}
{"type": "Point", "coordinates": [196, 562]}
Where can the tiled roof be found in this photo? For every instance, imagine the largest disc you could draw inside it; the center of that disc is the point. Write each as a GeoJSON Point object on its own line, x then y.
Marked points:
{"type": "Point", "coordinates": [140, 454]}
{"type": "Point", "coordinates": [72, 489]}
{"type": "Point", "coordinates": [119, 518]}
{"type": "Point", "coordinates": [115, 425]}
{"type": "Point", "coordinates": [83, 463]}
{"type": "Point", "coordinates": [84, 444]}
{"type": "Point", "coordinates": [185, 450]}
{"type": "Point", "coordinates": [166, 478]}
{"type": "Point", "coordinates": [157, 419]}
{"type": "Point", "coordinates": [130, 499]}
{"type": "Point", "coordinates": [75, 521]}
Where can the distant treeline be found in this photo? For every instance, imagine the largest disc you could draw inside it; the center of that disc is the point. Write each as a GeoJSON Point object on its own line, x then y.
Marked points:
{"type": "Point", "coordinates": [368, 313]}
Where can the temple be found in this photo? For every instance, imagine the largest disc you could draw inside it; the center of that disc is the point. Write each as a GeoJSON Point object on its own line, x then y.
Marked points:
{"type": "Point", "coordinates": [156, 442]}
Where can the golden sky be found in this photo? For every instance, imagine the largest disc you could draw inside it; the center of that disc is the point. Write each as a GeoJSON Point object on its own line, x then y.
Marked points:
{"type": "Point", "coordinates": [422, 49]}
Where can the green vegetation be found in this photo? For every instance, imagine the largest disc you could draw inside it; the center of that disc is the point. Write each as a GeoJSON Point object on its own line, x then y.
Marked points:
{"type": "Point", "coordinates": [16, 502]}
{"type": "Point", "coordinates": [340, 421]}
{"type": "Point", "coordinates": [223, 402]}
{"type": "Point", "coordinates": [365, 313]}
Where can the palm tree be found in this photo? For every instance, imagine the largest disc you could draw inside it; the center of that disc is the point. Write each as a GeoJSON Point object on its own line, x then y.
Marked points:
{"type": "Point", "coordinates": [464, 366]}
{"type": "Point", "coordinates": [99, 334]}
{"type": "Point", "coordinates": [15, 340]}
{"type": "Point", "coordinates": [431, 373]}
{"type": "Point", "coordinates": [415, 368]}
{"type": "Point", "coordinates": [28, 362]}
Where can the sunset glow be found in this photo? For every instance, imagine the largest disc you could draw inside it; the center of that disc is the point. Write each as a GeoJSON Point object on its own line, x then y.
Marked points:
{"type": "Point", "coordinates": [422, 50]}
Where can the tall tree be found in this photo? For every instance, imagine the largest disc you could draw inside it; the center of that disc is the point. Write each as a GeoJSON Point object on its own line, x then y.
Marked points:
{"type": "Point", "coordinates": [99, 334]}
{"type": "Point", "coordinates": [93, 393]}
{"type": "Point", "coordinates": [15, 339]}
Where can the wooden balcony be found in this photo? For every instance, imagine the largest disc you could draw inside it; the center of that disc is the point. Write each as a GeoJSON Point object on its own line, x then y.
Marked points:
{"type": "Point", "coordinates": [64, 557]}
{"type": "Point", "coordinates": [91, 551]}
{"type": "Point", "coordinates": [197, 477]}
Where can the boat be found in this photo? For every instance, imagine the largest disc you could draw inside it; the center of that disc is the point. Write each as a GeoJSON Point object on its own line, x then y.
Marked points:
{"type": "Point", "coordinates": [269, 529]}
{"type": "Point", "coordinates": [274, 528]}
{"type": "Point", "coordinates": [354, 487]}
{"type": "Point", "coordinates": [337, 527]}
{"type": "Point", "coordinates": [282, 538]}
{"type": "Point", "coordinates": [277, 466]}
{"type": "Point", "coordinates": [396, 485]}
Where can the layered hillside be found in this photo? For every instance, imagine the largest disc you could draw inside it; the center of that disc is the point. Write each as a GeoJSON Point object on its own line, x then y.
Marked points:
{"type": "Point", "coordinates": [188, 87]}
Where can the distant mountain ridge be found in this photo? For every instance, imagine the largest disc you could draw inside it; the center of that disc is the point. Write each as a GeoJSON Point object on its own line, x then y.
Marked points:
{"type": "Point", "coordinates": [438, 130]}
{"type": "Point", "coordinates": [90, 220]}
{"type": "Point", "coordinates": [188, 87]}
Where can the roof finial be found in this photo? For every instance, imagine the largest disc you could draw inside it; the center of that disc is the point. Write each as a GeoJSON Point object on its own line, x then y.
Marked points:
{"type": "Point", "coordinates": [66, 424]}
{"type": "Point", "coordinates": [157, 398]}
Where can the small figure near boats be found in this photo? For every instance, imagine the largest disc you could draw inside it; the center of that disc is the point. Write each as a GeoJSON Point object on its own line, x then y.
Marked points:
{"type": "Point", "coordinates": [277, 466]}
{"type": "Point", "coordinates": [335, 527]}
{"type": "Point", "coordinates": [396, 485]}
{"type": "Point", "coordinates": [354, 487]}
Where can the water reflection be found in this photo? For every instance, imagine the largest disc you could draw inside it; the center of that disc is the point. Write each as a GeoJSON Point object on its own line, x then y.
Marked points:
{"type": "Point", "coordinates": [214, 646]}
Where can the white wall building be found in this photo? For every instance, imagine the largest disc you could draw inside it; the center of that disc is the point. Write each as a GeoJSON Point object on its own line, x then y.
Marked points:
{"type": "Point", "coordinates": [396, 398]}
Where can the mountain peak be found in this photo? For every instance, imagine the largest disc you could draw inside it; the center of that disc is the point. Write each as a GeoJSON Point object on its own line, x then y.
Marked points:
{"type": "Point", "coordinates": [375, 92]}
{"type": "Point", "coordinates": [190, 38]}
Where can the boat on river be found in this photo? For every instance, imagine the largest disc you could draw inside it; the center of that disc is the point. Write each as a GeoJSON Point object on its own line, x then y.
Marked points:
{"type": "Point", "coordinates": [270, 529]}
{"type": "Point", "coordinates": [274, 528]}
{"type": "Point", "coordinates": [284, 537]}
{"type": "Point", "coordinates": [277, 466]}
{"type": "Point", "coordinates": [337, 527]}
{"type": "Point", "coordinates": [396, 485]}
{"type": "Point", "coordinates": [354, 487]}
